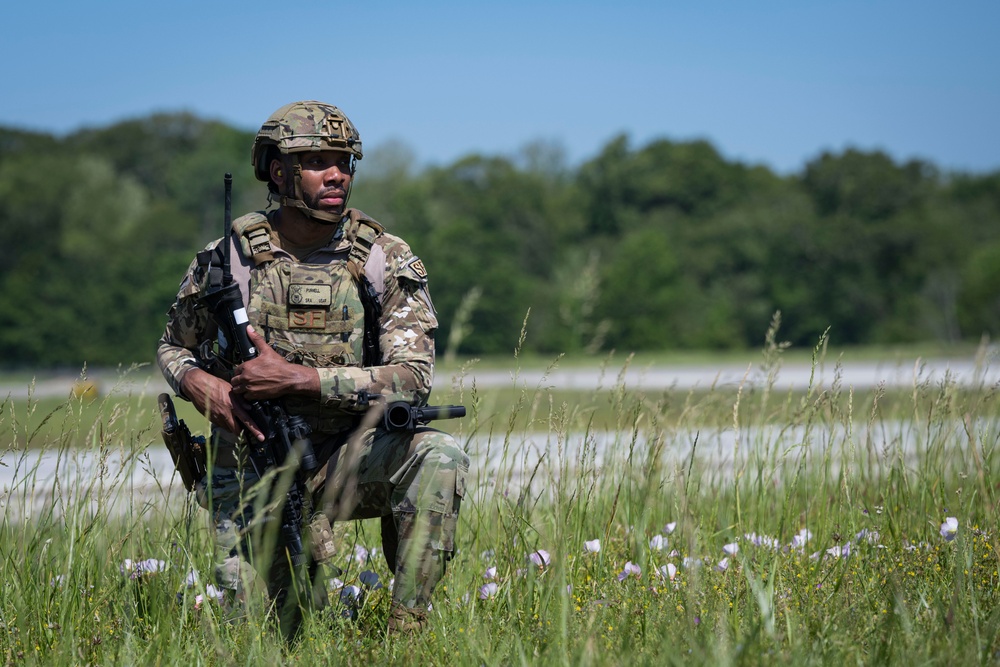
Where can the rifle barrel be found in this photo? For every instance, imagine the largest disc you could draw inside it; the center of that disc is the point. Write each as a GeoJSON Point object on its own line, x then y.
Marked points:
{"type": "Point", "coordinates": [227, 223]}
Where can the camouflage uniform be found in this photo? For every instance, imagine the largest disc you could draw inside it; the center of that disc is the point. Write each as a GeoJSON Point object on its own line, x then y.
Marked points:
{"type": "Point", "coordinates": [309, 310]}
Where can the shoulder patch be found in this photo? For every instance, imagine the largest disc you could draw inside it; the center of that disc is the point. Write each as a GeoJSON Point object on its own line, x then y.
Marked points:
{"type": "Point", "coordinates": [417, 266]}
{"type": "Point", "coordinates": [412, 270]}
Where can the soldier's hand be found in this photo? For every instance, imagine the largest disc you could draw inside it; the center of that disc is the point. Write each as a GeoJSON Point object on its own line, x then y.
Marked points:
{"type": "Point", "coordinates": [214, 397]}
{"type": "Point", "coordinates": [271, 376]}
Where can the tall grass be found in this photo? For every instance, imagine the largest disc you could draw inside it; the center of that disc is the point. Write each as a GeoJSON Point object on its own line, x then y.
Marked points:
{"type": "Point", "coordinates": [797, 528]}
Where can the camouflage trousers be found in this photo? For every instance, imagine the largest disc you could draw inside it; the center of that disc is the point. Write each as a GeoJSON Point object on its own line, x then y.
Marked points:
{"type": "Point", "coordinates": [414, 481]}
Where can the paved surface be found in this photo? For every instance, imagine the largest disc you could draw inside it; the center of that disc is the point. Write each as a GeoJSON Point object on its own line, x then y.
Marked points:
{"type": "Point", "coordinates": [789, 376]}
{"type": "Point", "coordinates": [34, 482]}
{"type": "Point", "coordinates": [860, 375]}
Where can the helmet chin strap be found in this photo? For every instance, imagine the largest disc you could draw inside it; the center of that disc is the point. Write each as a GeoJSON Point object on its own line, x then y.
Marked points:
{"type": "Point", "coordinates": [321, 217]}
{"type": "Point", "coordinates": [293, 167]}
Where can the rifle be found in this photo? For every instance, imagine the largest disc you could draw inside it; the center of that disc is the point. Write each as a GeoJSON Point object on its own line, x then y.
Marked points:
{"type": "Point", "coordinates": [285, 435]}
{"type": "Point", "coordinates": [402, 416]}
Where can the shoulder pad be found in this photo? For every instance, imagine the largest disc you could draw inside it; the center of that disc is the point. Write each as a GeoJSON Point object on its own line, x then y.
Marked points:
{"type": "Point", "coordinates": [365, 219]}
{"type": "Point", "coordinates": [361, 233]}
{"type": "Point", "coordinates": [254, 233]}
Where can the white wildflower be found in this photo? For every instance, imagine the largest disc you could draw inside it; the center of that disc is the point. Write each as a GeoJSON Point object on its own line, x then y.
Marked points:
{"type": "Point", "coordinates": [949, 529]}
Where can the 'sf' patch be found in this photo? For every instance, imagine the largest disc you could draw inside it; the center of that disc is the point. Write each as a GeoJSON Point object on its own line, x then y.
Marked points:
{"type": "Point", "coordinates": [307, 319]}
{"type": "Point", "coordinates": [418, 268]}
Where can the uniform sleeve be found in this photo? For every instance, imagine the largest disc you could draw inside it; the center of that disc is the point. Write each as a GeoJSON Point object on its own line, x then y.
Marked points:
{"type": "Point", "coordinates": [187, 326]}
{"type": "Point", "coordinates": [406, 339]}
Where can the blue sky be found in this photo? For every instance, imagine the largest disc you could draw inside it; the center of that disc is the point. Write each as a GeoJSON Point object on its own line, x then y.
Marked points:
{"type": "Point", "coordinates": [766, 82]}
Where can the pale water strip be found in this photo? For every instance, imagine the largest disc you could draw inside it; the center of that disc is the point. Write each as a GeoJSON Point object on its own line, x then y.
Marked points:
{"type": "Point", "coordinates": [34, 482]}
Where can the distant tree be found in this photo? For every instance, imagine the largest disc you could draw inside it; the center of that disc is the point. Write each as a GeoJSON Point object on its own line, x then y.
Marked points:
{"type": "Point", "coordinates": [503, 230]}
{"type": "Point", "coordinates": [979, 299]}
{"type": "Point", "coordinates": [15, 143]}
{"type": "Point", "coordinates": [646, 297]}
{"type": "Point", "coordinates": [93, 284]}
{"type": "Point", "coordinates": [382, 186]}
{"type": "Point", "coordinates": [862, 266]}
{"type": "Point", "coordinates": [866, 185]}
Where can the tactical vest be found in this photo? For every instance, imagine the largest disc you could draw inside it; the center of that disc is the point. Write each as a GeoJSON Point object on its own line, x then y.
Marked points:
{"type": "Point", "coordinates": [312, 314]}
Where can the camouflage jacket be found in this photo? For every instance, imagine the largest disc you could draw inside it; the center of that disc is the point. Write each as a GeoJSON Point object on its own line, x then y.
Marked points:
{"type": "Point", "coordinates": [324, 332]}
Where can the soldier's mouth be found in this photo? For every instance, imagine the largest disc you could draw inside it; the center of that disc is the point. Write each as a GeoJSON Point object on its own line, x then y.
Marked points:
{"type": "Point", "coordinates": [333, 198]}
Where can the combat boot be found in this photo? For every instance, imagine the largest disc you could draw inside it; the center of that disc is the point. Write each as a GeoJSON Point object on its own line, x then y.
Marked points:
{"type": "Point", "coordinates": [406, 620]}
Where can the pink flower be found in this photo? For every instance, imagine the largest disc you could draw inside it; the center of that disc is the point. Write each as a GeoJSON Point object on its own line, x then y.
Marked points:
{"type": "Point", "coordinates": [870, 536]}
{"type": "Point", "coordinates": [214, 593]}
{"type": "Point", "coordinates": [350, 594]}
{"type": "Point", "coordinates": [488, 590]}
{"type": "Point", "coordinates": [803, 536]}
{"type": "Point", "coordinates": [839, 552]}
{"type": "Point", "coordinates": [631, 570]}
{"type": "Point", "coordinates": [369, 579]}
{"type": "Point", "coordinates": [540, 558]}
{"type": "Point", "coordinates": [139, 569]}
{"type": "Point", "coordinates": [762, 541]}
{"type": "Point", "coordinates": [949, 529]}
{"type": "Point", "coordinates": [592, 546]}
{"type": "Point", "coordinates": [658, 543]}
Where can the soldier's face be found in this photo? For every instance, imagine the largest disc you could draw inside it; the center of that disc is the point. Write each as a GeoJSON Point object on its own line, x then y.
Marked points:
{"type": "Point", "coordinates": [326, 179]}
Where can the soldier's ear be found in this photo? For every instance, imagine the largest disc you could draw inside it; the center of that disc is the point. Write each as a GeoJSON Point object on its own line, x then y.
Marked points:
{"type": "Point", "coordinates": [277, 173]}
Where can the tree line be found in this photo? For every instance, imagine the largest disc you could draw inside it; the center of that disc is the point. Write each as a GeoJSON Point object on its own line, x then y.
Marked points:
{"type": "Point", "coordinates": [666, 245]}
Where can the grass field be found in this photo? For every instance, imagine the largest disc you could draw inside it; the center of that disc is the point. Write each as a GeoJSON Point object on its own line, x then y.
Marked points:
{"type": "Point", "coordinates": [840, 527]}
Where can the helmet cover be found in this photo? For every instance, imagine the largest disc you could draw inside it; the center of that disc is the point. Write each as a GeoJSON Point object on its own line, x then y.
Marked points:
{"type": "Point", "coordinates": [302, 127]}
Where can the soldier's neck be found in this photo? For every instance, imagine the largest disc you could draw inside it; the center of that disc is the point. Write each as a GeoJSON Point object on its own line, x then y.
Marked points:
{"type": "Point", "coordinates": [297, 229]}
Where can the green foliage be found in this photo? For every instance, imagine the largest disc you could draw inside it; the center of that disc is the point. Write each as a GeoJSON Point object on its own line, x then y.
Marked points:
{"type": "Point", "coordinates": [645, 292]}
{"type": "Point", "coordinates": [666, 245]}
{"type": "Point", "coordinates": [979, 302]}
{"type": "Point", "coordinates": [869, 186]}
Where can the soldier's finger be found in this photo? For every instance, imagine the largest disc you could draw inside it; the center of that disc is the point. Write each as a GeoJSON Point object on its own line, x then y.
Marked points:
{"type": "Point", "coordinates": [254, 431]}
{"type": "Point", "coordinates": [247, 421]}
{"type": "Point", "coordinates": [255, 338]}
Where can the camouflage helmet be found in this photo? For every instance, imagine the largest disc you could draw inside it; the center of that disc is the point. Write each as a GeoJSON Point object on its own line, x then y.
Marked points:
{"type": "Point", "coordinates": [302, 127]}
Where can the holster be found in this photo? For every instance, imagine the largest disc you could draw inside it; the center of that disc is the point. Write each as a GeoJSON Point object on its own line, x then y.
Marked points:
{"type": "Point", "coordinates": [187, 451]}
{"type": "Point", "coordinates": [320, 536]}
